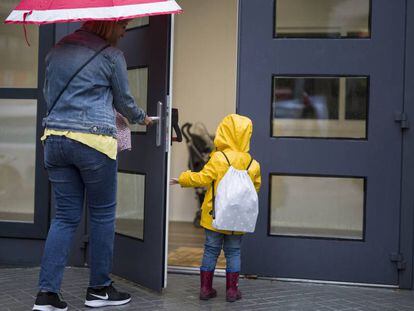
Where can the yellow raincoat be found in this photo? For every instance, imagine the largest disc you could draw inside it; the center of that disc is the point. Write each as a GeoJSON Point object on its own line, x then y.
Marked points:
{"type": "Point", "coordinates": [233, 138]}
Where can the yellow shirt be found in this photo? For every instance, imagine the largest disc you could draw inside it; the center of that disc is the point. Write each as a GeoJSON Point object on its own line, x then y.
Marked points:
{"type": "Point", "coordinates": [101, 143]}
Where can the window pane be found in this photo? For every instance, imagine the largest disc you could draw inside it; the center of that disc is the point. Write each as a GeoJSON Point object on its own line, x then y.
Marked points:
{"type": "Point", "coordinates": [322, 18]}
{"type": "Point", "coordinates": [317, 206]}
{"type": "Point", "coordinates": [327, 107]}
{"type": "Point", "coordinates": [138, 22]}
{"type": "Point", "coordinates": [130, 205]}
{"type": "Point", "coordinates": [18, 65]}
{"type": "Point", "coordinates": [17, 159]}
{"type": "Point", "coordinates": [138, 84]}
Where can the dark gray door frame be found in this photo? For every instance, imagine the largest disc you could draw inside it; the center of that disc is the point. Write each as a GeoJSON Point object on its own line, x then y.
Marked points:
{"type": "Point", "coordinates": [407, 193]}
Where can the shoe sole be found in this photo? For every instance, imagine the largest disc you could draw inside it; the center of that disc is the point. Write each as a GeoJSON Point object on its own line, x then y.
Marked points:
{"type": "Point", "coordinates": [48, 308]}
{"type": "Point", "coordinates": [104, 303]}
{"type": "Point", "coordinates": [208, 297]}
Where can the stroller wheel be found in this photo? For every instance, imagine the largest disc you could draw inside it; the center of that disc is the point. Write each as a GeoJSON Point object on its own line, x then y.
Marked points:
{"type": "Point", "coordinates": [197, 218]}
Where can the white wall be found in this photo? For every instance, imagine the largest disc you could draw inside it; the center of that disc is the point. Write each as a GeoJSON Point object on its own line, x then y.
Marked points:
{"type": "Point", "coordinates": [204, 81]}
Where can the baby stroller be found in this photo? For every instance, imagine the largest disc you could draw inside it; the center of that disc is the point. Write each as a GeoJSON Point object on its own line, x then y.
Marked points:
{"type": "Point", "coordinates": [200, 144]}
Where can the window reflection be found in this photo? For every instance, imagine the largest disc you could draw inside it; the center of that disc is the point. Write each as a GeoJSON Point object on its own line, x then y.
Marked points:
{"type": "Point", "coordinates": [130, 205]}
{"type": "Point", "coordinates": [138, 84]}
{"type": "Point", "coordinates": [17, 159]}
{"type": "Point", "coordinates": [334, 107]}
{"type": "Point", "coordinates": [322, 18]}
{"type": "Point", "coordinates": [138, 22]}
{"type": "Point", "coordinates": [317, 206]}
{"type": "Point", "coordinates": [18, 61]}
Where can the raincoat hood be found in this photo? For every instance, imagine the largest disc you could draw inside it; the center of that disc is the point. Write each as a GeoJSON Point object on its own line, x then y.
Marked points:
{"type": "Point", "coordinates": [234, 132]}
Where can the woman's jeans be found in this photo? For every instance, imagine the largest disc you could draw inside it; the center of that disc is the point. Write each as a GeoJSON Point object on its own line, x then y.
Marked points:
{"type": "Point", "coordinates": [74, 170]}
{"type": "Point", "coordinates": [214, 243]}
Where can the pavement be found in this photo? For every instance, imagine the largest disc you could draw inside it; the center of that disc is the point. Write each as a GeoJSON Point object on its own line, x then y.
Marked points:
{"type": "Point", "coordinates": [19, 288]}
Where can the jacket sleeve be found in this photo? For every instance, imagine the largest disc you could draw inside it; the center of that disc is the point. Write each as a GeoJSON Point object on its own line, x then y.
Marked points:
{"type": "Point", "coordinates": [123, 100]}
{"type": "Point", "coordinates": [257, 180]}
{"type": "Point", "coordinates": [200, 179]}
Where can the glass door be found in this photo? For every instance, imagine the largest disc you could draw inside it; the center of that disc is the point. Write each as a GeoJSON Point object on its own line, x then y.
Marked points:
{"type": "Point", "coordinates": [323, 83]}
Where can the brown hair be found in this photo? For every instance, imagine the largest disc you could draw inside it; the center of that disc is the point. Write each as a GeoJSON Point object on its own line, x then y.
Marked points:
{"type": "Point", "coordinates": [104, 29]}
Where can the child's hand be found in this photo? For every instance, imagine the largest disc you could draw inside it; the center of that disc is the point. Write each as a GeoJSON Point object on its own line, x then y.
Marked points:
{"type": "Point", "coordinates": [173, 181]}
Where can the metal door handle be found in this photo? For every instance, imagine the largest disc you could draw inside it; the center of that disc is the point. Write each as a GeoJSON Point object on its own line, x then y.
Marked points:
{"type": "Point", "coordinates": [157, 119]}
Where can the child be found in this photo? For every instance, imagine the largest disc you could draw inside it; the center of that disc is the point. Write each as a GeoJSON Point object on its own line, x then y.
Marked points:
{"type": "Point", "coordinates": [232, 144]}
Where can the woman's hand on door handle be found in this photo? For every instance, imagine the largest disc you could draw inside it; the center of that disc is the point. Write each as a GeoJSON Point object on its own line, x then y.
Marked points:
{"type": "Point", "coordinates": [148, 121]}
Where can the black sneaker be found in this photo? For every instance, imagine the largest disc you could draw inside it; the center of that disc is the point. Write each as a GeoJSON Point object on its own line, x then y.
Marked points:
{"type": "Point", "coordinates": [48, 301]}
{"type": "Point", "coordinates": [105, 296]}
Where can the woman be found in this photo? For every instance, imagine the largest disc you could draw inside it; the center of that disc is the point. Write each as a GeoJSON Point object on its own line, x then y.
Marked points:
{"type": "Point", "coordinates": [80, 154]}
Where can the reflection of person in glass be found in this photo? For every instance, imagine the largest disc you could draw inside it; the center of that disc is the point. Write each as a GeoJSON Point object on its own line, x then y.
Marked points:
{"type": "Point", "coordinates": [308, 111]}
{"type": "Point", "coordinates": [80, 154]}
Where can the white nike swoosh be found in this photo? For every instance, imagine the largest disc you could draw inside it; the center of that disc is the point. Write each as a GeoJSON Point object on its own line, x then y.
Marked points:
{"type": "Point", "coordinates": [101, 297]}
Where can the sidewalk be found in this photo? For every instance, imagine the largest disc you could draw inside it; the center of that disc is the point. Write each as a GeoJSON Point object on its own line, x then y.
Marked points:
{"type": "Point", "coordinates": [19, 290]}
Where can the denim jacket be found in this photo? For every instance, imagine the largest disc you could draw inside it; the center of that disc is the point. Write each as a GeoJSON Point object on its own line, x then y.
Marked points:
{"type": "Point", "coordinates": [88, 103]}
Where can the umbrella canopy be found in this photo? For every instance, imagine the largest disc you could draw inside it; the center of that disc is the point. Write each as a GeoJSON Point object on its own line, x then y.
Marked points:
{"type": "Point", "coordinates": [63, 11]}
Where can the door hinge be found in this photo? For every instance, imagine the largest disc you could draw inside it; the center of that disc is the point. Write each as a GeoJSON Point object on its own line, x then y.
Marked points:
{"type": "Point", "coordinates": [402, 118]}
{"type": "Point", "coordinates": [399, 260]}
{"type": "Point", "coordinates": [84, 241]}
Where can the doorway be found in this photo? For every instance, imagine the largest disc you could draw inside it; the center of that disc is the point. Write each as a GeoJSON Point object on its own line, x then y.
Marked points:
{"type": "Point", "coordinates": [204, 91]}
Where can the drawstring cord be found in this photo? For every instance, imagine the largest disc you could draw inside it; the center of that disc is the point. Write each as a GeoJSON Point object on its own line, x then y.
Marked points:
{"type": "Point", "coordinates": [24, 26]}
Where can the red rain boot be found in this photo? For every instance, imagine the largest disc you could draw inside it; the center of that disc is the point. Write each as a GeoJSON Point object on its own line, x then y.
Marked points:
{"type": "Point", "coordinates": [232, 291]}
{"type": "Point", "coordinates": [206, 289]}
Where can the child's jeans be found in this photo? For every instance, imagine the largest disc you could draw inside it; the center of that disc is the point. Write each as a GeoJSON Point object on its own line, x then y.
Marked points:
{"type": "Point", "coordinates": [215, 241]}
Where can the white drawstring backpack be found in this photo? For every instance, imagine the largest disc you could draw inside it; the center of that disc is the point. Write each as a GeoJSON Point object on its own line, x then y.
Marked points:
{"type": "Point", "coordinates": [235, 205]}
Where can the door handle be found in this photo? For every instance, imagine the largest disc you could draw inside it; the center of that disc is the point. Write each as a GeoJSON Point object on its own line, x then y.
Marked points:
{"type": "Point", "coordinates": [157, 119]}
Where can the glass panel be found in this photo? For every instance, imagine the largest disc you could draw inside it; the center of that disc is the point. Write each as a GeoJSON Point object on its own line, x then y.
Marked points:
{"type": "Point", "coordinates": [130, 205]}
{"type": "Point", "coordinates": [317, 206]}
{"type": "Point", "coordinates": [138, 84]}
{"type": "Point", "coordinates": [138, 22]}
{"type": "Point", "coordinates": [328, 107]}
{"type": "Point", "coordinates": [18, 65]}
{"type": "Point", "coordinates": [323, 18]}
{"type": "Point", "coordinates": [17, 159]}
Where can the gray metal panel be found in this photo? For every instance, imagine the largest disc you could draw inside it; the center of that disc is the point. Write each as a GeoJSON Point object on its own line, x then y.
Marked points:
{"type": "Point", "coordinates": [21, 252]}
{"type": "Point", "coordinates": [378, 158]}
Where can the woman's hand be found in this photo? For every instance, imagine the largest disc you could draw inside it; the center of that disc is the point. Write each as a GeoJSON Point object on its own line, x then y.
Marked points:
{"type": "Point", "coordinates": [173, 181]}
{"type": "Point", "coordinates": [148, 121]}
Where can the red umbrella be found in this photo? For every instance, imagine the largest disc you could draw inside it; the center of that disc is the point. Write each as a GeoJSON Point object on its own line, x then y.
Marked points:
{"type": "Point", "coordinates": [62, 11]}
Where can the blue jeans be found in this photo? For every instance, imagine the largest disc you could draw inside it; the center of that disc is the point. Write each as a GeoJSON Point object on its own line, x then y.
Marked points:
{"type": "Point", "coordinates": [74, 169]}
{"type": "Point", "coordinates": [214, 243]}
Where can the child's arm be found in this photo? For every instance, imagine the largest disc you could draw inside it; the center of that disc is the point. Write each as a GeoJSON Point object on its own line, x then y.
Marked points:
{"type": "Point", "coordinates": [257, 181]}
{"type": "Point", "coordinates": [200, 179]}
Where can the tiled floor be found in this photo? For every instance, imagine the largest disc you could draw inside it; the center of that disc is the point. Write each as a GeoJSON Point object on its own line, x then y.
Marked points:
{"type": "Point", "coordinates": [185, 246]}
{"type": "Point", "coordinates": [19, 289]}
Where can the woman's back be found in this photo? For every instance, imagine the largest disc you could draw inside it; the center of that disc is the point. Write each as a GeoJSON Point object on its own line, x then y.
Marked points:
{"type": "Point", "coordinates": [87, 103]}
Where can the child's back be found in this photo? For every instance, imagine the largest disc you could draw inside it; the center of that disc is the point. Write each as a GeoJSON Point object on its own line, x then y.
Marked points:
{"type": "Point", "coordinates": [233, 139]}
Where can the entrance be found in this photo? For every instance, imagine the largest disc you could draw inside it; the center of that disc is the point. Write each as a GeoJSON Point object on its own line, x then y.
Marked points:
{"type": "Point", "coordinates": [324, 89]}
{"type": "Point", "coordinates": [204, 92]}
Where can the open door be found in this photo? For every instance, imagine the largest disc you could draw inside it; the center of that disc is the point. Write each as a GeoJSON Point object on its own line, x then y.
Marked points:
{"type": "Point", "coordinates": [139, 253]}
